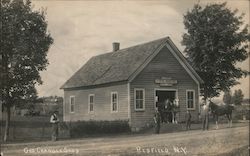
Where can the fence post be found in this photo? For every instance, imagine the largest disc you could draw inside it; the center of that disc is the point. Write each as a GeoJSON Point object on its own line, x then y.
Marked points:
{"type": "Point", "coordinates": [13, 131]}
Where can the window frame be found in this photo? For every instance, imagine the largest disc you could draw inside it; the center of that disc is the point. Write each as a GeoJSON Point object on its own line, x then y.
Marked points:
{"type": "Point", "coordinates": [70, 104]}
{"type": "Point", "coordinates": [193, 91]}
{"type": "Point", "coordinates": [117, 102]}
{"type": "Point", "coordinates": [93, 95]}
{"type": "Point", "coordinates": [143, 100]}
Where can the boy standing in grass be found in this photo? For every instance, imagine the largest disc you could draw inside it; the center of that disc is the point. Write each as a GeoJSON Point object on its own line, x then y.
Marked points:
{"type": "Point", "coordinates": [54, 120]}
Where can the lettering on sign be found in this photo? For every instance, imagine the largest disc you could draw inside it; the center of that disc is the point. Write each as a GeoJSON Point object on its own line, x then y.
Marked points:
{"type": "Point", "coordinates": [165, 81]}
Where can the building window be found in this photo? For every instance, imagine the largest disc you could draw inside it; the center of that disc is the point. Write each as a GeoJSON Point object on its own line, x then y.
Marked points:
{"type": "Point", "coordinates": [91, 102]}
{"type": "Point", "coordinates": [72, 104]}
{"type": "Point", "coordinates": [139, 99]}
{"type": "Point", "coordinates": [190, 99]}
{"type": "Point", "coordinates": [114, 101]}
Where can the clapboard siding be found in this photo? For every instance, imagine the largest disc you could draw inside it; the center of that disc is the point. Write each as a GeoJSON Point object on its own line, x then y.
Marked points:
{"type": "Point", "coordinates": [102, 106]}
{"type": "Point", "coordinates": [163, 65]}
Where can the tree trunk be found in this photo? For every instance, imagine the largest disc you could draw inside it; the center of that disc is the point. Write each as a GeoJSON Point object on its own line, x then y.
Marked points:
{"type": "Point", "coordinates": [7, 124]}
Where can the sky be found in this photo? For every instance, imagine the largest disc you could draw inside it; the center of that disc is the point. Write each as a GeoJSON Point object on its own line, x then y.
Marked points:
{"type": "Point", "coordinates": [82, 29]}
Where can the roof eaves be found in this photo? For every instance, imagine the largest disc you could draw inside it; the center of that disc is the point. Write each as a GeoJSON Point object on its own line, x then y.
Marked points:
{"type": "Point", "coordinates": [95, 85]}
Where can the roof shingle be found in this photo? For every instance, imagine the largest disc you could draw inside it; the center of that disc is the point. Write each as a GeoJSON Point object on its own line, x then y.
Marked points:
{"type": "Point", "coordinates": [114, 66]}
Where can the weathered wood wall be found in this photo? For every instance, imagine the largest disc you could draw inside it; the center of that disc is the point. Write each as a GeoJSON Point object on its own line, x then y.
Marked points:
{"type": "Point", "coordinates": [102, 106]}
{"type": "Point", "coordinates": [163, 65]}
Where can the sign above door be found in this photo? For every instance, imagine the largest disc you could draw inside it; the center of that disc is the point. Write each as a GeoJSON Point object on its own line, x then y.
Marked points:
{"type": "Point", "coordinates": [166, 81]}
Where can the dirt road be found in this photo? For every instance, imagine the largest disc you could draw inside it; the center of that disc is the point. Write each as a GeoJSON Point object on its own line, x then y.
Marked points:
{"type": "Point", "coordinates": [196, 142]}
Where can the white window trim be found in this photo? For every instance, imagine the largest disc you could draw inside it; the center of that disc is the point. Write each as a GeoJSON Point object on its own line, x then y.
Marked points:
{"type": "Point", "coordinates": [89, 103]}
{"type": "Point", "coordinates": [111, 102]}
{"type": "Point", "coordinates": [190, 90]}
{"type": "Point", "coordinates": [143, 104]}
{"type": "Point", "coordinates": [70, 103]}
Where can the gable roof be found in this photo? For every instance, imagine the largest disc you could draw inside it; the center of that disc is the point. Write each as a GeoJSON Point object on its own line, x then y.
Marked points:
{"type": "Point", "coordinates": [123, 65]}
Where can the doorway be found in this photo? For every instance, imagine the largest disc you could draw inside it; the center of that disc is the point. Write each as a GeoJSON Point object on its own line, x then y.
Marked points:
{"type": "Point", "coordinates": [161, 97]}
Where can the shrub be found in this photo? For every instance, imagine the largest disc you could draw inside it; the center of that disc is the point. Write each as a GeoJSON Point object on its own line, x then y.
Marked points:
{"type": "Point", "coordinates": [83, 128]}
{"type": "Point", "coordinates": [240, 112]}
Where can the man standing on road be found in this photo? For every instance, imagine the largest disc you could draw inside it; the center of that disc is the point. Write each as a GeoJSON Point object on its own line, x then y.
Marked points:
{"type": "Point", "coordinates": [205, 115]}
{"type": "Point", "coordinates": [157, 120]}
{"type": "Point", "coordinates": [188, 120]}
{"type": "Point", "coordinates": [54, 120]}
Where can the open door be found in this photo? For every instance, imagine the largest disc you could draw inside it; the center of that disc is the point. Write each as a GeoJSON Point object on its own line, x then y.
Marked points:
{"type": "Point", "coordinates": [162, 96]}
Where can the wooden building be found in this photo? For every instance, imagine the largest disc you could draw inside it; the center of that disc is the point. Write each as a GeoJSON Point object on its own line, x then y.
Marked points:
{"type": "Point", "coordinates": [127, 83]}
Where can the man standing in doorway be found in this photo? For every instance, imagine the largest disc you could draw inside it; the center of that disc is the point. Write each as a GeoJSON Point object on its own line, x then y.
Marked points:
{"type": "Point", "coordinates": [169, 110]}
{"type": "Point", "coordinates": [54, 120]}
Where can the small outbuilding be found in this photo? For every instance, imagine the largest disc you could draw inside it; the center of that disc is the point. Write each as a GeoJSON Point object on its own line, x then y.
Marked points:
{"type": "Point", "coordinates": [128, 84]}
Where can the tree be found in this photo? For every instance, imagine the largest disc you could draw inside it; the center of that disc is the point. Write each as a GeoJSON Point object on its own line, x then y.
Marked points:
{"type": "Point", "coordinates": [238, 97]}
{"type": "Point", "coordinates": [24, 44]}
{"type": "Point", "coordinates": [215, 41]}
{"type": "Point", "coordinates": [227, 98]}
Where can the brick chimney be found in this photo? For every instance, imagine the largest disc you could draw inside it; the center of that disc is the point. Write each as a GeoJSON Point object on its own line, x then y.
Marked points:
{"type": "Point", "coordinates": [116, 46]}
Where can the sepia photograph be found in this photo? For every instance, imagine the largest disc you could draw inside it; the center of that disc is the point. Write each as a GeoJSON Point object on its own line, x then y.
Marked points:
{"type": "Point", "coordinates": [124, 77]}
